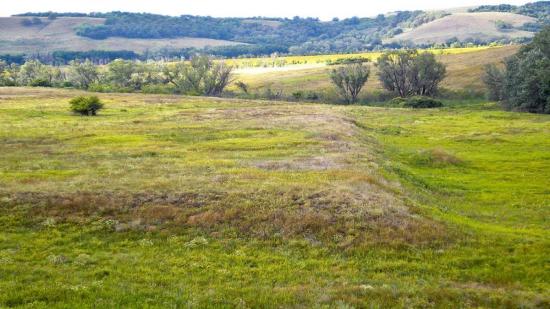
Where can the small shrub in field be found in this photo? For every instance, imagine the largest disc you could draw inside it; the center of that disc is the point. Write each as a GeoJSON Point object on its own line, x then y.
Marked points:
{"type": "Point", "coordinates": [39, 82]}
{"type": "Point", "coordinates": [196, 242]}
{"type": "Point", "coordinates": [351, 60]}
{"type": "Point", "coordinates": [270, 94]}
{"type": "Point", "coordinates": [422, 102]}
{"type": "Point", "coordinates": [57, 259]}
{"type": "Point", "coordinates": [309, 95]}
{"type": "Point", "coordinates": [312, 95]}
{"type": "Point", "coordinates": [83, 260]}
{"type": "Point", "coordinates": [436, 158]}
{"type": "Point", "coordinates": [86, 105]}
{"type": "Point", "coordinates": [398, 101]}
{"type": "Point", "coordinates": [298, 95]}
{"type": "Point", "coordinates": [67, 84]}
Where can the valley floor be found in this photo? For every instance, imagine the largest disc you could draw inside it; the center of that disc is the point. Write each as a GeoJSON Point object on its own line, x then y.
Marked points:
{"type": "Point", "coordinates": [168, 201]}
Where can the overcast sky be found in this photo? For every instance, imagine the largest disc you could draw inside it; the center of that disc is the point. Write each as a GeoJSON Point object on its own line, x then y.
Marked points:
{"type": "Point", "coordinates": [240, 8]}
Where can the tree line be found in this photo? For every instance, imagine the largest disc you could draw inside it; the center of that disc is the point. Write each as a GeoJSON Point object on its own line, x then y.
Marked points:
{"type": "Point", "coordinates": [539, 10]}
{"type": "Point", "coordinates": [522, 82]}
{"type": "Point", "coordinates": [106, 56]}
{"type": "Point", "coordinates": [404, 73]}
{"type": "Point", "coordinates": [199, 76]}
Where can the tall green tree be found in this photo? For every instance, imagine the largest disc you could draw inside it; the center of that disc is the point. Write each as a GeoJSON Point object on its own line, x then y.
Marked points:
{"type": "Point", "coordinates": [30, 71]}
{"type": "Point", "coordinates": [83, 74]}
{"type": "Point", "coordinates": [409, 73]}
{"type": "Point", "coordinates": [201, 76]}
{"type": "Point", "coordinates": [525, 81]}
{"type": "Point", "coordinates": [350, 79]}
{"type": "Point", "coordinates": [8, 74]}
{"type": "Point", "coordinates": [119, 72]}
{"type": "Point", "coordinates": [34, 73]}
{"type": "Point", "coordinates": [426, 74]}
{"type": "Point", "coordinates": [494, 80]}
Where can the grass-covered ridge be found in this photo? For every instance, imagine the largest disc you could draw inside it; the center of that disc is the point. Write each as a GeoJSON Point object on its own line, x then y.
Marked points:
{"type": "Point", "coordinates": [167, 200]}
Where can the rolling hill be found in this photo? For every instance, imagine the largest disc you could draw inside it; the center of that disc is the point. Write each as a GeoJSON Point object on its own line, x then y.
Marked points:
{"type": "Point", "coordinates": [464, 71]}
{"type": "Point", "coordinates": [60, 35]}
{"type": "Point", "coordinates": [174, 36]}
{"type": "Point", "coordinates": [468, 26]}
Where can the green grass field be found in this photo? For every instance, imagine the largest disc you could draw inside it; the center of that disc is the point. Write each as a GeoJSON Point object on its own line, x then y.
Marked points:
{"type": "Point", "coordinates": [169, 201]}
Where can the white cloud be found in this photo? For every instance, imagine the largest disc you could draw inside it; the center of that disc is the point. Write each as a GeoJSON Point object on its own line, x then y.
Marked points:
{"type": "Point", "coordinates": [240, 8]}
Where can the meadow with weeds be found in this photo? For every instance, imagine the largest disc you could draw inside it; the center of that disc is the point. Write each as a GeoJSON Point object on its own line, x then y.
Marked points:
{"type": "Point", "coordinates": [170, 201]}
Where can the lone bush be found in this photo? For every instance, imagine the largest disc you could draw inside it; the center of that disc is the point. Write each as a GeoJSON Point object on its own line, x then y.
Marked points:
{"type": "Point", "coordinates": [397, 102]}
{"type": "Point", "coordinates": [40, 82]}
{"type": "Point", "coordinates": [298, 95]}
{"type": "Point", "coordinates": [436, 157]}
{"type": "Point", "coordinates": [87, 106]}
{"type": "Point", "coordinates": [421, 102]}
{"type": "Point", "coordinates": [307, 95]}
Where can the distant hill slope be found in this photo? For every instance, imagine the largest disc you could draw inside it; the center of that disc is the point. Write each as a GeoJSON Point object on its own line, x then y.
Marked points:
{"type": "Point", "coordinates": [60, 34]}
{"type": "Point", "coordinates": [168, 36]}
{"type": "Point", "coordinates": [468, 26]}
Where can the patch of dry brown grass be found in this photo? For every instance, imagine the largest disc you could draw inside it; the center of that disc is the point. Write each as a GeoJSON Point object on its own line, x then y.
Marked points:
{"type": "Point", "coordinates": [440, 156]}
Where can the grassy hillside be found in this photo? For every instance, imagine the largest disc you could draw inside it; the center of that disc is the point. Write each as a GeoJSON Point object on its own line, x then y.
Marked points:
{"type": "Point", "coordinates": [476, 26]}
{"type": "Point", "coordinates": [60, 34]}
{"type": "Point", "coordinates": [174, 201]}
{"type": "Point", "coordinates": [464, 70]}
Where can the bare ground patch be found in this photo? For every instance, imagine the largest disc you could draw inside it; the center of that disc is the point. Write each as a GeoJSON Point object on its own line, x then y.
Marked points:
{"type": "Point", "coordinates": [346, 216]}
{"type": "Point", "coordinates": [313, 163]}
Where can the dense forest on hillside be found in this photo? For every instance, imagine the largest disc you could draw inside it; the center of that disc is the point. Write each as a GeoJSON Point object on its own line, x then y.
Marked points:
{"type": "Point", "coordinates": [281, 31]}
{"type": "Point", "coordinates": [283, 35]}
{"type": "Point", "coordinates": [296, 35]}
{"type": "Point", "coordinates": [346, 35]}
{"type": "Point", "coordinates": [539, 10]}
